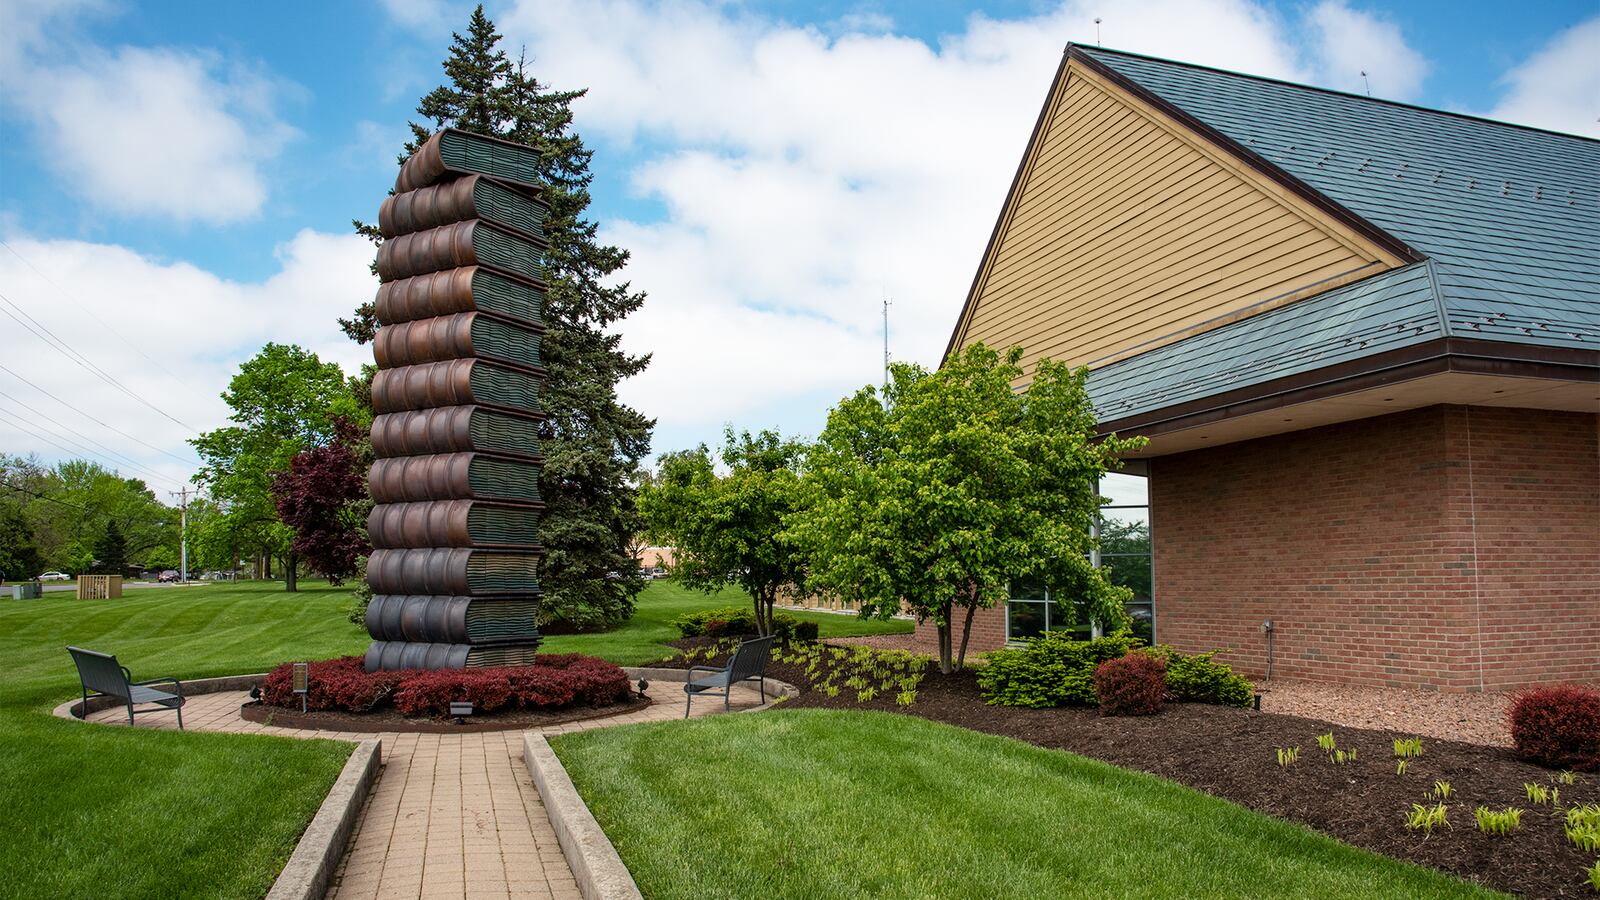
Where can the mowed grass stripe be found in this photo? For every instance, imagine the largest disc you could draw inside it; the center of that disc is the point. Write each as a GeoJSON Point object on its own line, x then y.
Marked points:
{"type": "Point", "coordinates": [810, 803]}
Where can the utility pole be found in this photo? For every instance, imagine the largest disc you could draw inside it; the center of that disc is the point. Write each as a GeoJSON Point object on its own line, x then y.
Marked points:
{"type": "Point", "coordinates": [183, 533]}
{"type": "Point", "coordinates": [886, 348]}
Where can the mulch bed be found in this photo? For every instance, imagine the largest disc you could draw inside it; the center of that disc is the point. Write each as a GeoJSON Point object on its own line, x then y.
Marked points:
{"type": "Point", "coordinates": [390, 719]}
{"type": "Point", "coordinates": [1231, 753]}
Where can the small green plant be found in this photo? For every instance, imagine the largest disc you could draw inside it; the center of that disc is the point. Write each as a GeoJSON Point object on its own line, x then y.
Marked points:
{"type": "Point", "coordinates": [1408, 748]}
{"type": "Point", "coordinates": [1442, 790]}
{"type": "Point", "coordinates": [1426, 818]}
{"type": "Point", "coordinates": [865, 695]}
{"type": "Point", "coordinates": [906, 698]}
{"type": "Point", "coordinates": [1583, 826]}
{"type": "Point", "coordinates": [1327, 743]}
{"type": "Point", "coordinates": [1568, 778]}
{"type": "Point", "coordinates": [1594, 875]}
{"type": "Point", "coordinates": [1500, 822]}
{"type": "Point", "coordinates": [1400, 767]}
{"type": "Point", "coordinates": [1288, 756]}
{"type": "Point", "coordinates": [1340, 757]}
{"type": "Point", "coordinates": [1538, 794]}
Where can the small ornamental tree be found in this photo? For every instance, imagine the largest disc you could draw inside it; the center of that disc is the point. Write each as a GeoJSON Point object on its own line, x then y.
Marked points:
{"type": "Point", "coordinates": [956, 485]}
{"type": "Point", "coordinates": [111, 551]}
{"type": "Point", "coordinates": [323, 497]}
{"type": "Point", "coordinates": [728, 529]}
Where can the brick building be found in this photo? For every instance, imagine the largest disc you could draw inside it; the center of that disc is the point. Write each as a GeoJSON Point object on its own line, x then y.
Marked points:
{"type": "Point", "coordinates": [1363, 339]}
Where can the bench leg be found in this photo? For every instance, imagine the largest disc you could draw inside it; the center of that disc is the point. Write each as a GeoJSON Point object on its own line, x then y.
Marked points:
{"type": "Point", "coordinates": [179, 709]}
{"type": "Point", "coordinates": [763, 689]}
{"type": "Point", "coordinates": [688, 700]}
{"type": "Point", "coordinates": [130, 712]}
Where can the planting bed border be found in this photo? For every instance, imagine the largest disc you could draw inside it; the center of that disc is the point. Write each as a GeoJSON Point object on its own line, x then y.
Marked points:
{"type": "Point", "coordinates": [286, 717]}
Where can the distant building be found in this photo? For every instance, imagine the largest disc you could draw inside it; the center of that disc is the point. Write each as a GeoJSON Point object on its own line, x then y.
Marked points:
{"type": "Point", "coordinates": [655, 557]}
{"type": "Point", "coordinates": [1363, 339]}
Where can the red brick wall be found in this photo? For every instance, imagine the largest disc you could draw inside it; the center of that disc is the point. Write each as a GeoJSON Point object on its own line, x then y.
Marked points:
{"type": "Point", "coordinates": [1452, 548]}
{"type": "Point", "coordinates": [988, 632]}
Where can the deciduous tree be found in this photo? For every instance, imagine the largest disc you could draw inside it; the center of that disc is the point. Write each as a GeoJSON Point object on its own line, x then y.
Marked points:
{"type": "Point", "coordinates": [940, 493]}
{"type": "Point", "coordinates": [728, 529]}
{"type": "Point", "coordinates": [323, 498]}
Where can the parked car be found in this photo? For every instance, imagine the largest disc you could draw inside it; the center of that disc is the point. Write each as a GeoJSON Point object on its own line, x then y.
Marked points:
{"type": "Point", "coordinates": [168, 575]}
{"type": "Point", "coordinates": [54, 576]}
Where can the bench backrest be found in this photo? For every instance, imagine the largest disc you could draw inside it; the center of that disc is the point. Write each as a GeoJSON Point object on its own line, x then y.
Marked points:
{"type": "Point", "coordinates": [99, 672]}
{"type": "Point", "coordinates": [751, 658]}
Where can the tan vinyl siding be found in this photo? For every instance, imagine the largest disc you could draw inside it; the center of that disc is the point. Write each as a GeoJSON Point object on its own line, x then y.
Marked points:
{"type": "Point", "coordinates": [1127, 231]}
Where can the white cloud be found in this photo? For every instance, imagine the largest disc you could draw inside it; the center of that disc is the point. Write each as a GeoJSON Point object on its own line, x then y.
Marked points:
{"type": "Point", "coordinates": [171, 332]}
{"type": "Point", "coordinates": [145, 132]}
{"type": "Point", "coordinates": [1559, 86]}
{"type": "Point", "coordinates": [1349, 42]}
{"type": "Point", "coordinates": [808, 172]}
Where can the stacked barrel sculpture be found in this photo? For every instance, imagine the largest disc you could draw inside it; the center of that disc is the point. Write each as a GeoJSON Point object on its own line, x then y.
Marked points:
{"type": "Point", "coordinates": [455, 483]}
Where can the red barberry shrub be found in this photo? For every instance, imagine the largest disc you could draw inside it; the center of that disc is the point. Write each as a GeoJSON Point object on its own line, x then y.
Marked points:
{"type": "Point", "coordinates": [1557, 726]}
{"type": "Point", "coordinates": [551, 682]}
{"type": "Point", "coordinates": [1133, 685]}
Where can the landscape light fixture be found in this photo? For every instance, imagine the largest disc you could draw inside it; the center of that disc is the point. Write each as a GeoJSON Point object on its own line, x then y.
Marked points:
{"type": "Point", "coordinates": [460, 708]}
{"type": "Point", "coordinates": [643, 685]}
{"type": "Point", "coordinates": [302, 682]}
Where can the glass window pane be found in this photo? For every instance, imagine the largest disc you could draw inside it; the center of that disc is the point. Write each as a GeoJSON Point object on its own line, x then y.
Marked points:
{"type": "Point", "coordinates": [1026, 620]}
{"type": "Point", "coordinates": [1026, 590]}
{"type": "Point", "coordinates": [1144, 621]}
{"type": "Point", "coordinates": [1130, 572]}
{"type": "Point", "coordinates": [1124, 532]}
{"type": "Point", "coordinates": [1073, 618]}
{"type": "Point", "coordinates": [1125, 490]}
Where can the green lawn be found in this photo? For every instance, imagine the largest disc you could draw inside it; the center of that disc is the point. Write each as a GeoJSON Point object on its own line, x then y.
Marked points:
{"type": "Point", "coordinates": [814, 803]}
{"type": "Point", "coordinates": [111, 812]}
{"type": "Point", "coordinates": [644, 638]}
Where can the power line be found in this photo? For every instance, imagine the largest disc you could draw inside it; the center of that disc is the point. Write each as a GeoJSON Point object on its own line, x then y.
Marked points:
{"type": "Point", "coordinates": [67, 350]}
{"type": "Point", "coordinates": [22, 490]}
{"type": "Point", "coordinates": [13, 374]}
{"type": "Point", "coordinates": [20, 424]}
{"type": "Point", "coordinates": [82, 439]}
{"type": "Point", "coordinates": [134, 345]}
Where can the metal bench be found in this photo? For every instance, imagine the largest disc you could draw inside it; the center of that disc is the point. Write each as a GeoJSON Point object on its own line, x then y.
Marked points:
{"type": "Point", "coordinates": [99, 672]}
{"type": "Point", "coordinates": [749, 661]}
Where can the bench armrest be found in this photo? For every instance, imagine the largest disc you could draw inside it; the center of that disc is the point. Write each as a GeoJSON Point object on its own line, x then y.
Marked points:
{"type": "Point", "coordinates": [172, 681]}
{"type": "Point", "coordinates": [715, 670]}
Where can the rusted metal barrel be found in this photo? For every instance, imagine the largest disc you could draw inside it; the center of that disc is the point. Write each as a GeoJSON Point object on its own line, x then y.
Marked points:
{"type": "Point", "coordinates": [461, 336]}
{"type": "Point", "coordinates": [453, 523]}
{"type": "Point", "coordinates": [454, 571]}
{"type": "Point", "coordinates": [470, 243]}
{"type": "Point", "coordinates": [467, 289]}
{"type": "Point", "coordinates": [406, 655]}
{"type": "Point", "coordinates": [453, 476]}
{"type": "Point", "coordinates": [451, 429]}
{"type": "Point", "coordinates": [455, 382]}
{"type": "Point", "coordinates": [451, 620]}
{"type": "Point", "coordinates": [455, 152]}
{"type": "Point", "coordinates": [472, 197]}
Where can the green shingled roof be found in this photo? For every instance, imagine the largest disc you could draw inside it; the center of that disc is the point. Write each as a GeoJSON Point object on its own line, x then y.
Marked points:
{"type": "Point", "coordinates": [1507, 217]}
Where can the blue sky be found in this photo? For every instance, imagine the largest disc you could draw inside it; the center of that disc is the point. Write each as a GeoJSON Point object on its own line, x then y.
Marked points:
{"type": "Point", "coordinates": [182, 175]}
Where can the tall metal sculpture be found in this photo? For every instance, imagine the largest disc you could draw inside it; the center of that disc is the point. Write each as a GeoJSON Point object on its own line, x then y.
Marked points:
{"type": "Point", "coordinates": [454, 566]}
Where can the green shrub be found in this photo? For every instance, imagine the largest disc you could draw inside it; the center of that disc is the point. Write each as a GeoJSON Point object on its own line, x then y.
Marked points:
{"type": "Point", "coordinates": [1053, 670]}
{"type": "Point", "coordinates": [738, 621]}
{"type": "Point", "coordinates": [806, 631]}
{"type": "Point", "coordinates": [1198, 678]}
{"type": "Point", "coordinates": [1056, 670]}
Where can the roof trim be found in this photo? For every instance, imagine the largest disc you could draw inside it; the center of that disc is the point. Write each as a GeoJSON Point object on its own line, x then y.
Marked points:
{"type": "Point", "coordinates": [1401, 364]}
{"type": "Point", "coordinates": [1289, 182]}
{"type": "Point", "coordinates": [1337, 93]}
{"type": "Point", "coordinates": [1005, 206]}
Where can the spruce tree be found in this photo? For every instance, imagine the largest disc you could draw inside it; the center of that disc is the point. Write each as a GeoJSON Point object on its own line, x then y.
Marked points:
{"type": "Point", "coordinates": [111, 551]}
{"type": "Point", "coordinates": [592, 443]}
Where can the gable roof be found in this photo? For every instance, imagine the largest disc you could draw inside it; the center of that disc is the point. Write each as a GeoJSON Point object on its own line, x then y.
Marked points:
{"type": "Point", "coordinates": [1500, 224]}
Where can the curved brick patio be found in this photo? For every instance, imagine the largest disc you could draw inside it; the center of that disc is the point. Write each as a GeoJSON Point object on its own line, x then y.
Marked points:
{"type": "Point", "coordinates": [450, 815]}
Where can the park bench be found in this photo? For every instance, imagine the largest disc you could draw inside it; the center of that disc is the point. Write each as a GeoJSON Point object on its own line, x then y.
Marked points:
{"type": "Point", "coordinates": [749, 661]}
{"type": "Point", "coordinates": [99, 672]}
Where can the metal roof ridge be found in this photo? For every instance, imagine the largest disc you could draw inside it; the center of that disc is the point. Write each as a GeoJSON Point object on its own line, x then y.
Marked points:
{"type": "Point", "coordinates": [1324, 90]}
{"type": "Point", "coordinates": [1439, 306]}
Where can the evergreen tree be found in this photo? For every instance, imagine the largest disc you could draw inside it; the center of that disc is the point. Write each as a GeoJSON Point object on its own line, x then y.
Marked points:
{"type": "Point", "coordinates": [111, 551]}
{"type": "Point", "coordinates": [592, 443]}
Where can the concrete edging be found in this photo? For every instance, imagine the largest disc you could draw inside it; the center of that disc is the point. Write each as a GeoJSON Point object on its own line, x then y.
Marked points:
{"type": "Point", "coordinates": [316, 857]}
{"type": "Point", "coordinates": [594, 861]}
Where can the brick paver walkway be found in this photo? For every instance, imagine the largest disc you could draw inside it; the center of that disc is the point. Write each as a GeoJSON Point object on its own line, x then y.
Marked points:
{"type": "Point", "coordinates": [450, 815]}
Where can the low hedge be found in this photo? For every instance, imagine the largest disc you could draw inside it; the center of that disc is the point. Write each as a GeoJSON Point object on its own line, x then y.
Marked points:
{"type": "Point", "coordinates": [1055, 670]}
{"type": "Point", "coordinates": [1557, 726]}
{"type": "Point", "coordinates": [740, 621]}
{"type": "Point", "coordinates": [553, 681]}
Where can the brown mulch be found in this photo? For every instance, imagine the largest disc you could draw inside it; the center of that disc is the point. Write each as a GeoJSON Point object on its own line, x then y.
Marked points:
{"type": "Point", "coordinates": [388, 719]}
{"type": "Point", "coordinates": [1231, 753]}
{"type": "Point", "coordinates": [1476, 718]}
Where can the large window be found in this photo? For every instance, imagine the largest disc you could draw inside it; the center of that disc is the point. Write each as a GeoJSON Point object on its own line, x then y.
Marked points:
{"type": "Point", "coordinates": [1124, 534]}
{"type": "Point", "coordinates": [1125, 545]}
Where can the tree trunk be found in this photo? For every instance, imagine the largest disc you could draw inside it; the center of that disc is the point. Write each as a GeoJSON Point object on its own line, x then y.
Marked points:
{"type": "Point", "coordinates": [944, 640]}
{"type": "Point", "coordinates": [290, 562]}
{"type": "Point", "coordinates": [761, 624]}
{"type": "Point", "coordinates": [966, 632]}
{"type": "Point", "coordinates": [772, 622]}
{"type": "Point", "coordinates": [266, 567]}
